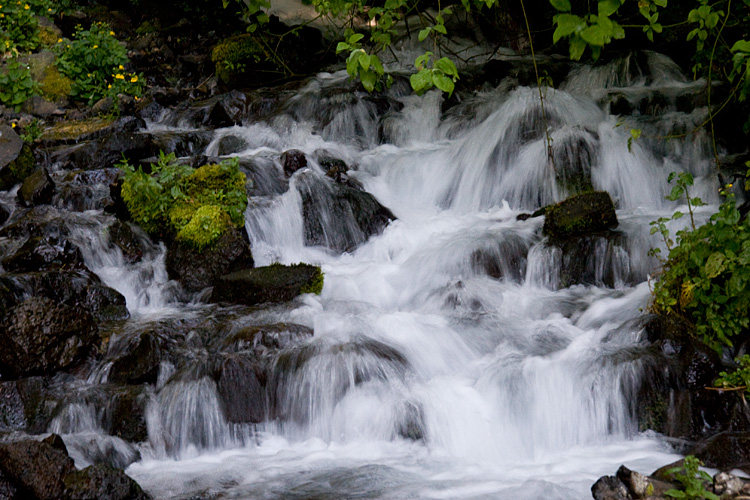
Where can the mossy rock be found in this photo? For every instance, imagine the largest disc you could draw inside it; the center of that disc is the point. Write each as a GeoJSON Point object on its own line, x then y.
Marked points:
{"type": "Point", "coordinates": [585, 213]}
{"type": "Point", "coordinates": [274, 283]}
{"type": "Point", "coordinates": [19, 169]}
{"type": "Point", "coordinates": [233, 56]}
{"type": "Point", "coordinates": [205, 227]}
{"type": "Point", "coordinates": [78, 130]}
{"type": "Point", "coordinates": [55, 87]}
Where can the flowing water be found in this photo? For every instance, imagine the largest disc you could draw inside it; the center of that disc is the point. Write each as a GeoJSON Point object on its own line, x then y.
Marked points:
{"type": "Point", "coordinates": [453, 355]}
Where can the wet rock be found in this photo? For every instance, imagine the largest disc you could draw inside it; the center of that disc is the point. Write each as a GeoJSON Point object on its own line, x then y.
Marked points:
{"type": "Point", "coordinates": [140, 363]}
{"type": "Point", "coordinates": [230, 144]}
{"type": "Point", "coordinates": [39, 253]}
{"type": "Point", "coordinates": [37, 189]}
{"type": "Point", "coordinates": [20, 167]}
{"type": "Point", "coordinates": [337, 216]}
{"type": "Point", "coordinates": [36, 469]}
{"type": "Point", "coordinates": [573, 156]}
{"type": "Point", "coordinates": [728, 485]}
{"type": "Point", "coordinates": [581, 214]}
{"type": "Point", "coordinates": [181, 143]}
{"type": "Point", "coordinates": [196, 271]}
{"type": "Point", "coordinates": [7, 490]}
{"type": "Point", "coordinates": [274, 283]}
{"type": "Point", "coordinates": [241, 389]}
{"type": "Point", "coordinates": [41, 337]}
{"type": "Point", "coordinates": [10, 149]}
{"type": "Point", "coordinates": [641, 486]}
{"type": "Point", "coordinates": [293, 160]}
{"type": "Point", "coordinates": [128, 239]}
{"type": "Point", "coordinates": [87, 190]}
{"type": "Point", "coordinates": [26, 404]}
{"type": "Point", "coordinates": [504, 259]}
{"type": "Point", "coordinates": [725, 451]}
{"type": "Point", "coordinates": [102, 482]}
{"type": "Point", "coordinates": [610, 488]}
{"type": "Point", "coordinates": [40, 221]}
{"type": "Point", "coordinates": [4, 214]}
{"type": "Point", "coordinates": [125, 414]}
{"type": "Point", "coordinates": [219, 111]}
{"type": "Point", "coordinates": [263, 338]}
{"type": "Point", "coordinates": [595, 260]}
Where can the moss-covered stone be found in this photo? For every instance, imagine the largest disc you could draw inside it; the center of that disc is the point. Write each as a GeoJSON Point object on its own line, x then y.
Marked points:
{"type": "Point", "coordinates": [78, 130]}
{"type": "Point", "coordinates": [274, 283]}
{"type": "Point", "coordinates": [55, 87]}
{"type": "Point", "coordinates": [19, 169]}
{"type": "Point", "coordinates": [205, 227]}
{"type": "Point", "coordinates": [233, 55]}
{"type": "Point", "coordinates": [581, 214]}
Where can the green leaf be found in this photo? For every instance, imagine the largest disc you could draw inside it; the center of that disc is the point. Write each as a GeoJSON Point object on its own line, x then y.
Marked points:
{"type": "Point", "coordinates": [608, 7]}
{"type": "Point", "coordinates": [577, 46]}
{"type": "Point", "coordinates": [342, 46]}
{"type": "Point", "coordinates": [446, 66]}
{"type": "Point", "coordinates": [715, 265]}
{"type": "Point", "coordinates": [561, 5]}
{"type": "Point", "coordinates": [424, 34]}
{"type": "Point", "coordinates": [741, 46]}
{"type": "Point", "coordinates": [356, 37]}
{"type": "Point", "coordinates": [569, 23]}
{"type": "Point", "coordinates": [443, 83]}
{"type": "Point", "coordinates": [368, 79]}
{"type": "Point", "coordinates": [594, 35]}
{"type": "Point", "coordinates": [421, 81]}
{"type": "Point", "coordinates": [661, 3]}
{"type": "Point", "coordinates": [440, 29]}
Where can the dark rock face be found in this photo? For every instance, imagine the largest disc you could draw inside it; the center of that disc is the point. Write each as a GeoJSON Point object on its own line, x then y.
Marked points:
{"type": "Point", "coordinates": [338, 216]}
{"type": "Point", "coordinates": [196, 271]}
{"type": "Point", "coordinates": [43, 254]}
{"type": "Point", "coordinates": [18, 169]}
{"type": "Point", "coordinates": [87, 190]}
{"type": "Point", "coordinates": [725, 451]}
{"type": "Point", "coordinates": [263, 338]}
{"type": "Point", "coordinates": [11, 147]}
{"type": "Point", "coordinates": [241, 389]}
{"type": "Point", "coordinates": [37, 189]}
{"type": "Point", "coordinates": [610, 488]}
{"type": "Point", "coordinates": [36, 469]}
{"type": "Point", "coordinates": [125, 414]}
{"type": "Point", "coordinates": [26, 404]}
{"type": "Point", "coordinates": [581, 214]}
{"type": "Point", "coordinates": [274, 283]}
{"type": "Point", "coordinates": [4, 214]}
{"type": "Point", "coordinates": [293, 160]}
{"type": "Point", "coordinates": [42, 336]}
{"type": "Point", "coordinates": [141, 363]}
{"type": "Point", "coordinates": [594, 260]}
{"type": "Point", "coordinates": [102, 482]}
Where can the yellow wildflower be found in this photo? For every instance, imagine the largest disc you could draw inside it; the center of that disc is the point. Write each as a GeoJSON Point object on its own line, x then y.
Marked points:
{"type": "Point", "coordinates": [13, 124]}
{"type": "Point", "coordinates": [26, 7]}
{"type": "Point", "coordinates": [112, 33]}
{"type": "Point", "coordinates": [96, 46]}
{"type": "Point", "coordinates": [59, 40]}
{"type": "Point", "coordinates": [134, 79]}
{"type": "Point", "coordinates": [120, 67]}
{"type": "Point", "coordinates": [119, 76]}
{"type": "Point", "coordinates": [109, 86]}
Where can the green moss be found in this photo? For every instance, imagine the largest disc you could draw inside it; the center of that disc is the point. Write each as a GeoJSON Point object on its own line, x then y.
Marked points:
{"type": "Point", "coordinates": [219, 184]}
{"type": "Point", "coordinates": [65, 131]}
{"type": "Point", "coordinates": [232, 56]}
{"type": "Point", "coordinates": [315, 285]}
{"type": "Point", "coordinates": [205, 228]}
{"type": "Point", "coordinates": [48, 36]}
{"type": "Point", "coordinates": [18, 169]}
{"type": "Point", "coordinates": [54, 86]}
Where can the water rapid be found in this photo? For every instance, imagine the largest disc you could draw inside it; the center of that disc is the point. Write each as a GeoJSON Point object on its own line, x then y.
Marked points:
{"type": "Point", "coordinates": [459, 354]}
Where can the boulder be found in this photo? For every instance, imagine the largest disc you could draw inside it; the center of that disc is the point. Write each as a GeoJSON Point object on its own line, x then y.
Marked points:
{"type": "Point", "coordinates": [197, 270]}
{"type": "Point", "coordinates": [36, 469]}
{"type": "Point", "coordinates": [125, 414]}
{"type": "Point", "coordinates": [642, 486]}
{"type": "Point", "coordinates": [230, 144]}
{"type": "Point", "coordinates": [102, 482]}
{"type": "Point", "coordinates": [274, 283]}
{"type": "Point", "coordinates": [585, 213]}
{"type": "Point", "coordinates": [610, 488]}
{"type": "Point", "coordinates": [140, 363]}
{"type": "Point", "coordinates": [262, 338]}
{"type": "Point", "coordinates": [4, 214]}
{"type": "Point", "coordinates": [37, 189]}
{"type": "Point", "coordinates": [26, 404]}
{"type": "Point", "coordinates": [41, 337]}
{"type": "Point", "coordinates": [725, 451]}
{"type": "Point", "coordinates": [39, 253]}
{"type": "Point", "coordinates": [87, 190]}
{"type": "Point", "coordinates": [10, 148]}
{"type": "Point", "coordinates": [293, 160]}
{"type": "Point", "coordinates": [130, 240]}
{"type": "Point", "coordinates": [241, 386]}
{"type": "Point", "coordinates": [20, 166]}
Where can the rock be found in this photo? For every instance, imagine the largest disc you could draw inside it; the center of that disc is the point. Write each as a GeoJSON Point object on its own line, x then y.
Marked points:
{"type": "Point", "coordinates": [42, 220]}
{"type": "Point", "coordinates": [87, 190]}
{"type": "Point", "coordinates": [39, 253]}
{"type": "Point", "coordinates": [230, 144]}
{"type": "Point", "coordinates": [21, 166]}
{"type": "Point", "coordinates": [197, 270]}
{"type": "Point", "coordinates": [728, 485]}
{"type": "Point", "coordinates": [39, 106]}
{"type": "Point", "coordinates": [37, 189]}
{"type": "Point", "coordinates": [26, 405]}
{"type": "Point", "coordinates": [128, 239]}
{"type": "Point", "coordinates": [140, 364]}
{"type": "Point", "coordinates": [599, 259]}
{"type": "Point", "coordinates": [10, 148]}
{"type": "Point", "coordinates": [610, 488]}
{"type": "Point", "coordinates": [4, 214]}
{"type": "Point", "coordinates": [293, 160]}
{"type": "Point", "coordinates": [262, 338]}
{"type": "Point", "coordinates": [102, 482]}
{"type": "Point", "coordinates": [641, 486]}
{"type": "Point", "coordinates": [36, 469]}
{"type": "Point", "coordinates": [725, 451]}
{"type": "Point", "coordinates": [581, 214]}
{"type": "Point", "coordinates": [338, 216]}
{"type": "Point", "coordinates": [241, 389]}
{"type": "Point", "coordinates": [274, 283]}
{"type": "Point", "coordinates": [125, 414]}
{"type": "Point", "coordinates": [41, 337]}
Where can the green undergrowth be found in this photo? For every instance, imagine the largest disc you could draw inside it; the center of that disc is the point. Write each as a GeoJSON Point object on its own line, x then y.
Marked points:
{"type": "Point", "coordinates": [192, 206]}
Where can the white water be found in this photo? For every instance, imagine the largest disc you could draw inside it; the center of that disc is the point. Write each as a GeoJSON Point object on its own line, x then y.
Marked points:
{"type": "Point", "coordinates": [513, 385]}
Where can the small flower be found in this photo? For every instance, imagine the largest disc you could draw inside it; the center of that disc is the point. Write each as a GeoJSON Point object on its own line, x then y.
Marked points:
{"type": "Point", "coordinates": [109, 86]}
{"type": "Point", "coordinates": [96, 46]}
{"type": "Point", "coordinates": [119, 76]}
{"type": "Point", "coordinates": [120, 67]}
{"type": "Point", "coordinates": [59, 40]}
{"type": "Point", "coordinates": [13, 124]}
{"type": "Point", "coordinates": [135, 97]}
{"type": "Point", "coordinates": [134, 79]}
{"type": "Point", "coordinates": [26, 7]}
{"type": "Point", "coordinates": [49, 10]}
{"type": "Point", "coordinates": [112, 33]}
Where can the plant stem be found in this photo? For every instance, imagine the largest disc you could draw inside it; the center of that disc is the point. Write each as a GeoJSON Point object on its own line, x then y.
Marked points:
{"type": "Point", "coordinates": [708, 88]}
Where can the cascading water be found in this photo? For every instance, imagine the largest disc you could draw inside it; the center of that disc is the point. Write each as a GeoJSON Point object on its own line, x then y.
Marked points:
{"type": "Point", "coordinates": [454, 355]}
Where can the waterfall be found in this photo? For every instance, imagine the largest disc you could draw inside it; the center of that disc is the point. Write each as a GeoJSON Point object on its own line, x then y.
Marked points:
{"type": "Point", "coordinates": [457, 353]}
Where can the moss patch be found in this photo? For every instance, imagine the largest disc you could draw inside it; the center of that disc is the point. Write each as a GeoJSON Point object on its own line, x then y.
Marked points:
{"type": "Point", "coordinates": [274, 283]}
{"type": "Point", "coordinates": [68, 131]}
{"type": "Point", "coordinates": [17, 170]}
{"type": "Point", "coordinates": [581, 214]}
{"type": "Point", "coordinates": [205, 227]}
{"type": "Point", "coordinates": [233, 55]}
{"type": "Point", "coordinates": [54, 86]}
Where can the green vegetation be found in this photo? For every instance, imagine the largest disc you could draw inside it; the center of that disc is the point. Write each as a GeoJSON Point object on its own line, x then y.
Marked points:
{"type": "Point", "coordinates": [19, 28]}
{"type": "Point", "coordinates": [95, 61]}
{"type": "Point", "coordinates": [232, 55]}
{"type": "Point", "coordinates": [193, 206]}
{"type": "Point", "coordinates": [315, 285]}
{"type": "Point", "coordinates": [706, 273]}
{"type": "Point", "coordinates": [693, 481]}
{"type": "Point", "coordinates": [739, 379]}
{"type": "Point", "coordinates": [16, 84]}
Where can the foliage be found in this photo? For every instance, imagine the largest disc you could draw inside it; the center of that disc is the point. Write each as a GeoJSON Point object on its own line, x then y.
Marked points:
{"type": "Point", "coordinates": [706, 274]}
{"type": "Point", "coordinates": [315, 285]}
{"type": "Point", "coordinates": [192, 205]}
{"type": "Point", "coordinates": [693, 481]}
{"type": "Point", "coordinates": [16, 84]}
{"type": "Point", "coordinates": [95, 60]}
{"type": "Point", "coordinates": [360, 64]}
{"type": "Point", "coordinates": [739, 379]}
{"type": "Point", "coordinates": [230, 55]}
{"type": "Point", "coordinates": [442, 74]}
{"type": "Point", "coordinates": [19, 28]}
{"type": "Point", "coordinates": [53, 85]}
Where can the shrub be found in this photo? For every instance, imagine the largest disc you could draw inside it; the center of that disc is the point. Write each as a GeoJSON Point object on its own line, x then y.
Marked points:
{"type": "Point", "coordinates": [233, 54]}
{"type": "Point", "coordinates": [19, 28]}
{"type": "Point", "coordinates": [194, 206]}
{"type": "Point", "coordinates": [16, 84]}
{"type": "Point", "coordinates": [95, 60]}
{"type": "Point", "coordinates": [706, 275]}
